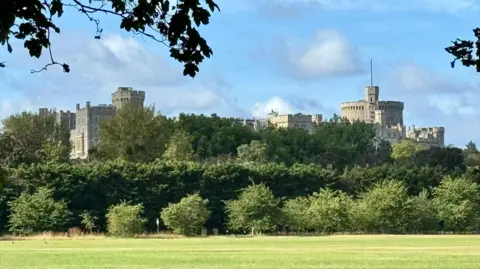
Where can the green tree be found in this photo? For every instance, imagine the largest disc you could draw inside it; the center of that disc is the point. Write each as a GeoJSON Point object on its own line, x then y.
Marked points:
{"type": "Point", "coordinates": [38, 212]}
{"type": "Point", "coordinates": [29, 137]}
{"type": "Point", "coordinates": [471, 148]}
{"type": "Point", "coordinates": [456, 201]}
{"type": "Point", "coordinates": [55, 152]}
{"type": "Point", "coordinates": [214, 136]}
{"type": "Point", "coordinates": [329, 211]}
{"type": "Point", "coordinates": [450, 158]}
{"type": "Point", "coordinates": [173, 24]}
{"type": "Point", "coordinates": [423, 216]}
{"type": "Point", "coordinates": [255, 152]}
{"type": "Point", "coordinates": [295, 213]}
{"type": "Point", "coordinates": [186, 217]}
{"type": "Point", "coordinates": [405, 150]}
{"type": "Point", "coordinates": [256, 209]}
{"type": "Point", "coordinates": [88, 220]}
{"type": "Point", "coordinates": [134, 134]}
{"type": "Point", "coordinates": [383, 209]}
{"type": "Point", "coordinates": [179, 147]}
{"type": "Point", "coordinates": [125, 220]}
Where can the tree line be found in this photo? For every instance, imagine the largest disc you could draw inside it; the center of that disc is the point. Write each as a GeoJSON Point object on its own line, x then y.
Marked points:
{"type": "Point", "coordinates": [146, 164]}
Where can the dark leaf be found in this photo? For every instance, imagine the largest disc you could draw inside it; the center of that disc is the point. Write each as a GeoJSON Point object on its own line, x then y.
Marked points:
{"type": "Point", "coordinates": [66, 68]}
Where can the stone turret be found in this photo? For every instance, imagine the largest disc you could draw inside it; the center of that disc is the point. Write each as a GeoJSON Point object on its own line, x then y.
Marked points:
{"type": "Point", "coordinates": [127, 95]}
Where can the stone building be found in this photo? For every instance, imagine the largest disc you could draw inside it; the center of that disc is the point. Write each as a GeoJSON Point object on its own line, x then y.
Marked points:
{"type": "Point", "coordinates": [66, 118]}
{"type": "Point", "coordinates": [365, 110]}
{"type": "Point", "coordinates": [427, 137]}
{"type": "Point", "coordinates": [255, 124]}
{"type": "Point", "coordinates": [86, 134]}
{"type": "Point", "coordinates": [127, 95]}
{"type": "Point", "coordinates": [298, 120]}
{"type": "Point", "coordinates": [387, 116]}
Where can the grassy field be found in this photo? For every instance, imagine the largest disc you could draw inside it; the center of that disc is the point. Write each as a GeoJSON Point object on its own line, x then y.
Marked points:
{"type": "Point", "coordinates": [250, 253]}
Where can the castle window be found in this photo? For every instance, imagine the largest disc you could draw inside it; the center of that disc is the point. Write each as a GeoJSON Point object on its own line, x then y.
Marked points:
{"type": "Point", "coordinates": [96, 119]}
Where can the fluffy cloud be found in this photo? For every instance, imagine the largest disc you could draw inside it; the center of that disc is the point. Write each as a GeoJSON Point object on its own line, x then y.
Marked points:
{"type": "Point", "coordinates": [98, 67]}
{"type": "Point", "coordinates": [434, 99]}
{"type": "Point", "coordinates": [288, 105]}
{"type": "Point", "coordinates": [327, 54]}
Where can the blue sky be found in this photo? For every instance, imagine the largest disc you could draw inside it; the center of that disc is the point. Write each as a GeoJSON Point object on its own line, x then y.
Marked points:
{"type": "Point", "coordinates": [288, 55]}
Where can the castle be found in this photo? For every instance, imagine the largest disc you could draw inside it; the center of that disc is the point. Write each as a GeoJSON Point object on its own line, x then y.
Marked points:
{"type": "Point", "coordinates": [387, 116]}
{"type": "Point", "coordinates": [84, 123]}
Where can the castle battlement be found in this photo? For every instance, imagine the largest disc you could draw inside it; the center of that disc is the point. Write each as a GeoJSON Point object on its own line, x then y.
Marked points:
{"type": "Point", "coordinates": [127, 95]}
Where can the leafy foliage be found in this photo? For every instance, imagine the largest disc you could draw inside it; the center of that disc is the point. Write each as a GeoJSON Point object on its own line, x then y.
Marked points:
{"type": "Point", "coordinates": [456, 201]}
{"type": "Point", "coordinates": [466, 51]}
{"type": "Point", "coordinates": [295, 212]}
{"type": "Point", "coordinates": [172, 24]}
{"type": "Point", "coordinates": [255, 209]}
{"type": "Point", "coordinates": [186, 217]}
{"type": "Point", "coordinates": [133, 134]}
{"type": "Point", "coordinates": [255, 152]}
{"type": "Point", "coordinates": [88, 220]}
{"type": "Point", "coordinates": [405, 150]}
{"type": "Point", "coordinates": [125, 220]}
{"type": "Point", "coordinates": [179, 147]}
{"type": "Point", "coordinates": [329, 211]}
{"type": "Point", "coordinates": [30, 138]}
{"type": "Point", "coordinates": [423, 215]}
{"type": "Point", "coordinates": [38, 212]}
{"type": "Point", "coordinates": [383, 209]}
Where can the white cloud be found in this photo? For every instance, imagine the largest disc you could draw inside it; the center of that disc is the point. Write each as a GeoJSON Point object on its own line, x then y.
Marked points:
{"type": "Point", "coordinates": [287, 105]}
{"type": "Point", "coordinates": [98, 67]}
{"type": "Point", "coordinates": [277, 104]}
{"type": "Point", "coordinates": [329, 54]}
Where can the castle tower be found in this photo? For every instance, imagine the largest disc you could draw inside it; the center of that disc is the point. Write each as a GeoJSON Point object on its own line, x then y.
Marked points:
{"type": "Point", "coordinates": [127, 95]}
{"type": "Point", "coordinates": [439, 134]}
{"type": "Point", "coordinates": [371, 94]}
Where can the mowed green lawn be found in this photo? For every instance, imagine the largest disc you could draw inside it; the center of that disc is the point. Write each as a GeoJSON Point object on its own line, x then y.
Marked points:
{"type": "Point", "coordinates": [249, 253]}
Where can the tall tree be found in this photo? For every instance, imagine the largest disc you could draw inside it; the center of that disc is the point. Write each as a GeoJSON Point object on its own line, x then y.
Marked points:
{"type": "Point", "coordinates": [471, 147]}
{"type": "Point", "coordinates": [179, 147]}
{"type": "Point", "coordinates": [173, 24]}
{"type": "Point", "coordinates": [28, 137]}
{"type": "Point", "coordinates": [214, 136]}
{"type": "Point", "coordinates": [134, 134]}
{"type": "Point", "coordinates": [255, 152]}
{"type": "Point", "coordinates": [405, 150]}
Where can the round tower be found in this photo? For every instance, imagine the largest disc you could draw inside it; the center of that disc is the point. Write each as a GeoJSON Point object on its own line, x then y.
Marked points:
{"type": "Point", "coordinates": [439, 134]}
{"type": "Point", "coordinates": [125, 95]}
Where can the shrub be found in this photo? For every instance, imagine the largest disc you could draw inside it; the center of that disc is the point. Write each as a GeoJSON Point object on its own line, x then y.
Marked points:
{"type": "Point", "coordinates": [383, 209]}
{"type": "Point", "coordinates": [329, 211]}
{"type": "Point", "coordinates": [88, 221]}
{"type": "Point", "coordinates": [423, 217]}
{"type": "Point", "coordinates": [256, 209]}
{"type": "Point", "coordinates": [456, 201]}
{"type": "Point", "coordinates": [38, 212]}
{"type": "Point", "coordinates": [186, 217]}
{"type": "Point", "coordinates": [125, 220]}
{"type": "Point", "coordinates": [295, 213]}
